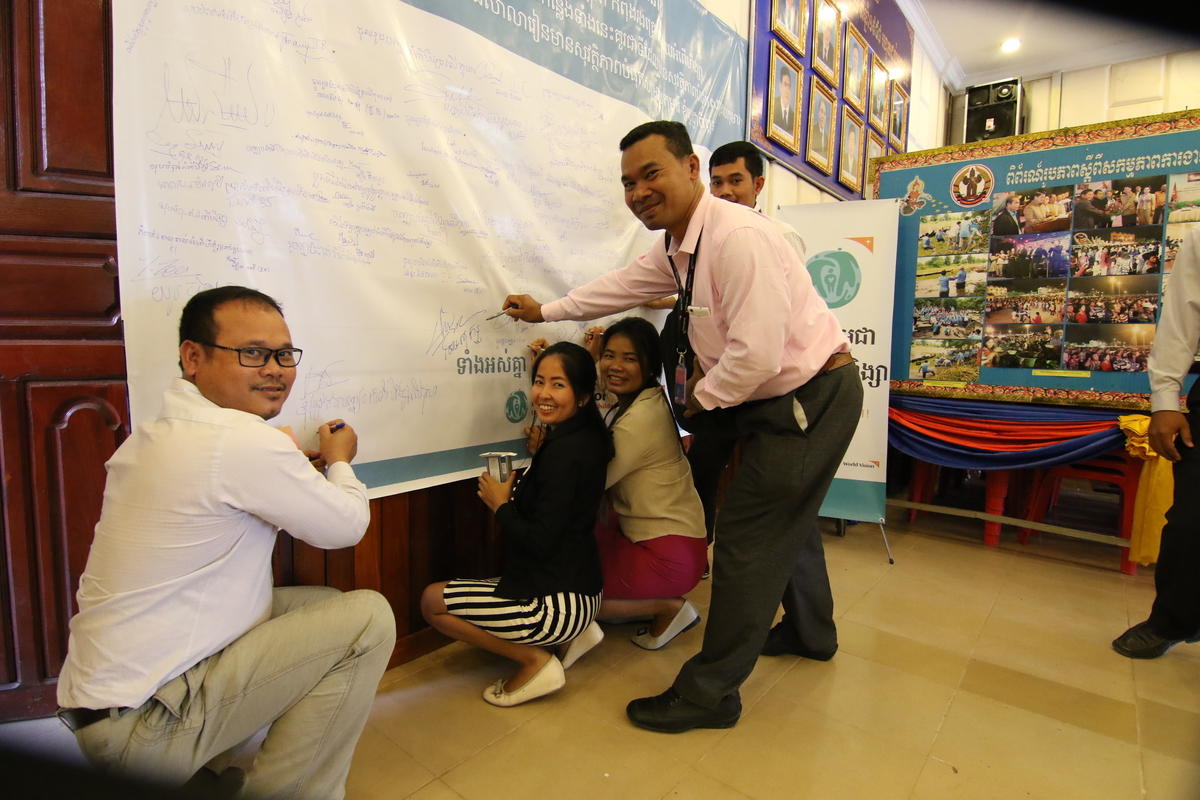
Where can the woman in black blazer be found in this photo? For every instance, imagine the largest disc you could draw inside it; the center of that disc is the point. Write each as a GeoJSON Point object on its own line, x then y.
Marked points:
{"type": "Point", "coordinates": [550, 589]}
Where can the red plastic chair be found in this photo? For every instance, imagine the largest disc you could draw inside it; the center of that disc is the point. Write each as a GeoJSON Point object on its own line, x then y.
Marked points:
{"type": "Point", "coordinates": [997, 482]}
{"type": "Point", "coordinates": [1117, 468]}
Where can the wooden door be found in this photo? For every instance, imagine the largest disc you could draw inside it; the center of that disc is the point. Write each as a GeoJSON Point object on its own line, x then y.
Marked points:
{"type": "Point", "coordinates": [63, 407]}
{"type": "Point", "coordinates": [63, 400]}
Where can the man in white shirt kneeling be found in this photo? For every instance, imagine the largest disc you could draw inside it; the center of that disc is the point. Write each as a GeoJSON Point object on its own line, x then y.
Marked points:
{"type": "Point", "coordinates": [182, 649]}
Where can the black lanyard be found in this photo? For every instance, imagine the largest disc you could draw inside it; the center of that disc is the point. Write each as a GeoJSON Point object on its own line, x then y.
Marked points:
{"type": "Point", "coordinates": [683, 314]}
{"type": "Point", "coordinates": [684, 303]}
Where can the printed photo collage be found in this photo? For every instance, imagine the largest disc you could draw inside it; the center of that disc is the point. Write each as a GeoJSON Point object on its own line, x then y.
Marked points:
{"type": "Point", "coordinates": [1057, 278]}
{"type": "Point", "coordinates": [854, 109]}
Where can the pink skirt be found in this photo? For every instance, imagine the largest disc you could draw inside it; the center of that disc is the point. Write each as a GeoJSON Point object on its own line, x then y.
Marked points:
{"type": "Point", "coordinates": [667, 566]}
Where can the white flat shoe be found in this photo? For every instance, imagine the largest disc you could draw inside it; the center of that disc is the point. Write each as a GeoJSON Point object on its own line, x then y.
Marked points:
{"type": "Point", "coordinates": [685, 619]}
{"type": "Point", "coordinates": [579, 646]}
{"type": "Point", "coordinates": [547, 680]}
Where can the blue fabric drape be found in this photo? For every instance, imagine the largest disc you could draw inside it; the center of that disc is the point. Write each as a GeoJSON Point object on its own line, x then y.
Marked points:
{"type": "Point", "coordinates": [949, 454]}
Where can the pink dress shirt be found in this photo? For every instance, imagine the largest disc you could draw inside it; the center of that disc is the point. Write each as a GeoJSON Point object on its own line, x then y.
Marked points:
{"type": "Point", "coordinates": [766, 331]}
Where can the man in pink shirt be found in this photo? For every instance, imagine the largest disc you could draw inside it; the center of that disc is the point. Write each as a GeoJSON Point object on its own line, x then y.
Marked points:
{"type": "Point", "coordinates": [772, 357]}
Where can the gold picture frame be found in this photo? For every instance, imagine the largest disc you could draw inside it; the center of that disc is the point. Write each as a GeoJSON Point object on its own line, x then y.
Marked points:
{"type": "Point", "coordinates": [789, 21]}
{"type": "Point", "coordinates": [827, 41]}
{"type": "Point", "coordinates": [850, 150]}
{"type": "Point", "coordinates": [876, 148]}
{"type": "Point", "coordinates": [780, 125]}
{"type": "Point", "coordinates": [898, 118]}
{"type": "Point", "coordinates": [856, 69]}
{"type": "Point", "coordinates": [878, 99]}
{"type": "Point", "coordinates": [822, 122]}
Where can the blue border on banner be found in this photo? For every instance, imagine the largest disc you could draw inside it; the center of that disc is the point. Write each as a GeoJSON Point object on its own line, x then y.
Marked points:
{"type": "Point", "coordinates": [428, 465]}
{"type": "Point", "coordinates": [672, 59]}
{"type": "Point", "coordinates": [861, 501]}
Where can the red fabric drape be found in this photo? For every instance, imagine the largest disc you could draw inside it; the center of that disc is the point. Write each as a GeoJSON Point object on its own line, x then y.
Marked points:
{"type": "Point", "coordinates": [996, 435]}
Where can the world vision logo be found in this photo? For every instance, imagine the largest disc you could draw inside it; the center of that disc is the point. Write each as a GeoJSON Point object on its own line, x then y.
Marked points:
{"type": "Point", "coordinates": [836, 276]}
{"type": "Point", "coordinates": [516, 406]}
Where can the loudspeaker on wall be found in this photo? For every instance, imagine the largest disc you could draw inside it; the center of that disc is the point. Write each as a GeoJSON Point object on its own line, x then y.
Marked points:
{"type": "Point", "coordinates": [993, 111]}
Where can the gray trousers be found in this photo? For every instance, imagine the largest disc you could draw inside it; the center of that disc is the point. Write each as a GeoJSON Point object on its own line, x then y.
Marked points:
{"type": "Point", "coordinates": [310, 673]}
{"type": "Point", "coordinates": [767, 546]}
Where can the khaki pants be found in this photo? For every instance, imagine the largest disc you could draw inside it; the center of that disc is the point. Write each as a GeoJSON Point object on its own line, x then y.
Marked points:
{"type": "Point", "coordinates": [309, 673]}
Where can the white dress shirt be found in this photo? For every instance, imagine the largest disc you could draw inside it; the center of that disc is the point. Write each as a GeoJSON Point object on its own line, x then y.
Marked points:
{"type": "Point", "coordinates": [1177, 339]}
{"type": "Point", "coordinates": [180, 565]}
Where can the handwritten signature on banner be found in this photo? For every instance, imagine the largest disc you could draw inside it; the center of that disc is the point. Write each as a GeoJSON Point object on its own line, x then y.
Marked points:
{"type": "Point", "coordinates": [453, 332]}
{"type": "Point", "coordinates": [323, 394]}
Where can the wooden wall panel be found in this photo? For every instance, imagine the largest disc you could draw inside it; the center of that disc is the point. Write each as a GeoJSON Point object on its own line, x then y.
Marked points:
{"type": "Point", "coordinates": [74, 428]}
{"type": "Point", "coordinates": [16, 602]}
{"type": "Point", "coordinates": [55, 163]}
{"type": "Point", "coordinates": [55, 436]}
{"type": "Point", "coordinates": [63, 123]}
{"type": "Point", "coordinates": [58, 288]}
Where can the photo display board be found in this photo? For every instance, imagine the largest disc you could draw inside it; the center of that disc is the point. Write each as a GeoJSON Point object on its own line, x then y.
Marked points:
{"type": "Point", "coordinates": [1033, 268]}
{"type": "Point", "coordinates": [829, 87]}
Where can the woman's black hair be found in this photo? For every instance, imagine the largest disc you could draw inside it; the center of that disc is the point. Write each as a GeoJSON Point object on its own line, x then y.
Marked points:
{"type": "Point", "coordinates": [580, 371]}
{"type": "Point", "coordinates": [644, 338]}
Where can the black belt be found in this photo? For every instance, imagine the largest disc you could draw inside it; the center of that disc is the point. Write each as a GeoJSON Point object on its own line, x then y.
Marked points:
{"type": "Point", "coordinates": [79, 718]}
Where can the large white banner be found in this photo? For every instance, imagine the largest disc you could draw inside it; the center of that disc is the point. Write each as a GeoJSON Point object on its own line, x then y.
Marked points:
{"type": "Point", "coordinates": [388, 175]}
{"type": "Point", "coordinates": [851, 255]}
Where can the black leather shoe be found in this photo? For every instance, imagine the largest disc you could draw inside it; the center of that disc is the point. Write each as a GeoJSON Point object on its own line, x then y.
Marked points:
{"type": "Point", "coordinates": [669, 712]}
{"type": "Point", "coordinates": [782, 641]}
{"type": "Point", "coordinates": [1141, 641]}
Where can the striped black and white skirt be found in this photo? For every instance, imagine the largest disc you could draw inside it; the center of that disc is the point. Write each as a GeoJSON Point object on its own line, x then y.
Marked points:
{"type": "Point", "coordinates": [549, 620]}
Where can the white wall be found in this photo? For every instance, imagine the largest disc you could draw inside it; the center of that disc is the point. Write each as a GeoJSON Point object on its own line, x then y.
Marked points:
{"type": "Point", "coordinates": [927, 106]}
{"type": "Point", "coordinates": [1119, 91]}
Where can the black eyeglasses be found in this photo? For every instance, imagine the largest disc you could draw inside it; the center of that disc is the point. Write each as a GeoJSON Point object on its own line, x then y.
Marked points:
{"type": "Point", "coordinates": [259, 356]}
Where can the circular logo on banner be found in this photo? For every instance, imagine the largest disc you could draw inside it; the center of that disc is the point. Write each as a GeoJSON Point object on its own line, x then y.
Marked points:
{"type": "Point", "coordinates": [972, 184]}
{"type": "Point", "coordinates": [516, 406]}
{"type": "Point", "coordinates": [836, 275]}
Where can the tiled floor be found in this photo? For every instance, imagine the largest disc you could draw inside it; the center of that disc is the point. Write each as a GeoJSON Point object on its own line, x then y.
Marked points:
{"type": "Point", "coordinates": [964, 672]}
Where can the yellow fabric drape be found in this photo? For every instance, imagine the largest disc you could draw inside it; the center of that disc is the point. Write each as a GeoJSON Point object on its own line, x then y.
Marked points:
{"type": "Point", "coordinates": [1155, 487]}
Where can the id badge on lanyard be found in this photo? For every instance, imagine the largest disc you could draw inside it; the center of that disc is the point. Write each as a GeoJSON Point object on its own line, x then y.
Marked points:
{"type": "Point", "coordinates": [680, 385]}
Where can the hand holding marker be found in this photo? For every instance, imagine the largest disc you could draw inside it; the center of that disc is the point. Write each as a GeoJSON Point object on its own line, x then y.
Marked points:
{"type": "Point", "coordinates": [334, 428]}
{"type": "Point", "coordinates": [500, 313]}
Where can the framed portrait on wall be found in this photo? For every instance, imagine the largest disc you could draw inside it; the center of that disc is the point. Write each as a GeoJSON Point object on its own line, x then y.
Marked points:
{"type": "Point", "coordinates": [822, 116]}
{"type": "Point", "coordinates": [850, 157]}
{"type": "Point", "coordinates": [827, 41]}
{"type": "Point", "coordinates": [879, 95]}
{"type": "Point", "coordinates": [789, 21]}
{"type": "Point", "coordinates": [856, 66]}
{"type": "Point", "coordinates": [876, 146]}
{"type": "Point", "coordinates": [783, 99]}
{"type": "Point", "coordinates": [898, 126]}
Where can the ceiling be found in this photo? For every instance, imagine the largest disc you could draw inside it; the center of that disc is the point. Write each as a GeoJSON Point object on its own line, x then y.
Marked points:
{"type": "Point", "coordinates": [963, 37]}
